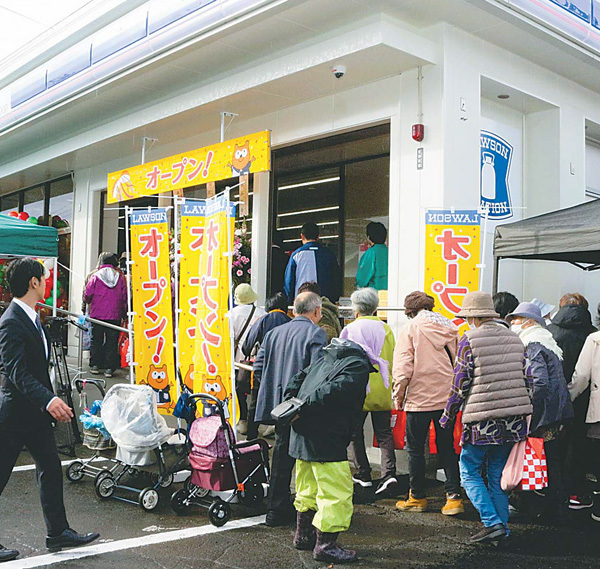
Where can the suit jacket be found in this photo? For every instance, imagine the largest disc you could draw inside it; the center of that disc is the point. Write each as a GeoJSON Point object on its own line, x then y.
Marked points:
{"type": "Point", "coordinates": [285, 351]}
{"type": "Point", "coordinates": [26, 388]}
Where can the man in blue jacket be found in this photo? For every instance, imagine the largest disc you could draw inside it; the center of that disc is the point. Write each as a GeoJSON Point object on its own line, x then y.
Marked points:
{"type": "Point", "coordinates": [285, 351]}
{"type": "Point", "coordinates": [313, 262]}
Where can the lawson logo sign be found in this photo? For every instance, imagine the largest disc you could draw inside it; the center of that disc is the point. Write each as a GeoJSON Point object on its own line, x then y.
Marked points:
{"type": "Point", "coordinates": [496, 156]}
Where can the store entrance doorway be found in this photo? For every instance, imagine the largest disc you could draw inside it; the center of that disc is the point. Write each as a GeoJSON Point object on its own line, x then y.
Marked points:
{"type": "Point", "coordinates": [341, 183]}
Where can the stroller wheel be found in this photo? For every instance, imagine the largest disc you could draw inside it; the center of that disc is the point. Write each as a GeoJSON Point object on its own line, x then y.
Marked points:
{"type": "Point", "coordinates": [219, 513]}
{"type": "Point", "coordinates": [148, 499]}
{"type": "Point", "coordinates": [105, 486]}
{"type": "Point", "coordinates": [178, 502]}
{"type": "Point", "coordinates": [101, 474]}
{"type": "Point", "coordinates": [162, 481]}
{"type": "Point", "coordinates": [74, 471]}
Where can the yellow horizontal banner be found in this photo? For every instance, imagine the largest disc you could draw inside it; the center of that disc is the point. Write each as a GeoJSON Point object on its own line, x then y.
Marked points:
{"type": "Point", "coordinates": [236, 157]}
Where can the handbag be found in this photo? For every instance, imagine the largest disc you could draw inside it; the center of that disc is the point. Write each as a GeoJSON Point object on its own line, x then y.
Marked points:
{"type": "Point", "coordinates": [513, 469]}
{"type": "Point", "coordinates": [535, 470]}
{"type": "Point", "coordinates": [526, 466]}
{"type": "Point", "coordinates": [288, 411]}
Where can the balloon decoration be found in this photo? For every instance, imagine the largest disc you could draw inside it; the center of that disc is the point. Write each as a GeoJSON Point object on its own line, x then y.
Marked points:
{"type": "Point", "coordinates": [32, 219]}
{"type": "Point", "coordinates": [23, 216]}
{"type": "Point", "coordinates": [13, 213]}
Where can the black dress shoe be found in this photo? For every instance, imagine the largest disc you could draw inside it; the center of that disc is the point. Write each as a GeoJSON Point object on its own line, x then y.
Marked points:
{"type": "Point", "coordinates": [7, 554]}
{"type": "Point", "coordinates": [69, 538]}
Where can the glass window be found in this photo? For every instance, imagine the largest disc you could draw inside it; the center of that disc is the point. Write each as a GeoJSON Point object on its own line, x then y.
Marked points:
{"type": "Point", "coordinates": [341, 183]}
{"type": "Point", "coordinates": [33, 202]}
{"type": "Point", "coordinates": [61, 199]}
{"type": "Point", "coordinates": [368, 177]}
{"type": "Point", "coordinates": [9, 203]}
{"type": "Point", "coordinates": [309, 197]}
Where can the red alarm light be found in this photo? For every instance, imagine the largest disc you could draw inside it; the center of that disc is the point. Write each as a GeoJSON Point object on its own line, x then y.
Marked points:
{"type": "Point", "coordinates": [418, 132]}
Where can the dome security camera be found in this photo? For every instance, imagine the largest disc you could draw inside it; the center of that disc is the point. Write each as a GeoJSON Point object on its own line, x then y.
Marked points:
{"type": "Point", "coordinates": [339, 71]}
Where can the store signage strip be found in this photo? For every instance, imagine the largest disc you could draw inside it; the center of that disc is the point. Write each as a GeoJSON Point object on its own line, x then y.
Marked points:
{"type": "Point", "coordinates": [212, 358]}
{"type": "Point", "coordinates": [236, 157]}
{"type": "Point", "coordinates": [152, 307]}
{"type": "Point", "coordinates": [452, 251]}
{"type": "Point", "coordinates": [193, 216]}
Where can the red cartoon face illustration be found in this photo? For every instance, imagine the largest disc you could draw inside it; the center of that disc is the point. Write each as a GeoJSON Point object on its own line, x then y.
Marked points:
{"type": "Point", "coordinates": [214, 386]}
{"type": "Point", "coordinates": [241, 159]}
{"type": "Point", "coordinates": [188, 380]}
{"type": "Point", "coordinates": [157, 377]}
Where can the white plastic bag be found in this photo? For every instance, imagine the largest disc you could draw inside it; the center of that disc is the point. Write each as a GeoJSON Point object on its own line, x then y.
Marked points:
{"type": "Point", "coordinates": [130, 415]}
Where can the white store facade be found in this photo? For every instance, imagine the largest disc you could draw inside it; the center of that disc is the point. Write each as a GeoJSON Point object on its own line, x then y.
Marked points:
{"type": "Point", "coordinates": [444, 64]}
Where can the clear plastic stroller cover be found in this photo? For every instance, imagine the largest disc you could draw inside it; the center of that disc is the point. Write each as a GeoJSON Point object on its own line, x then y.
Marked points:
{"type": "Point", "coordinates": [130, 415]}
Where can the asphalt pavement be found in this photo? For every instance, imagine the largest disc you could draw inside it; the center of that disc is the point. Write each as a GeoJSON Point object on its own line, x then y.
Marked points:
{"type": "Point", "coordinates": [384, 537]}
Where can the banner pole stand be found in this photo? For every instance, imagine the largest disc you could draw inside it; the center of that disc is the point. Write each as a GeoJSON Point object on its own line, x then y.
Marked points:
{"type": "Point", "coordinates": [229, 265]}
{"type": "Point", "coordinates": [55, 287]}
{"type": "Point", "coordinates": [178, 201]}
{"type": "Point", "coordinates": [129, 300]}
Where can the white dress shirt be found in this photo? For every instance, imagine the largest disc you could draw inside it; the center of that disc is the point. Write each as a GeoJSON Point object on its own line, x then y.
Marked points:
{"type": "Point", "coordinates": [33, 315]}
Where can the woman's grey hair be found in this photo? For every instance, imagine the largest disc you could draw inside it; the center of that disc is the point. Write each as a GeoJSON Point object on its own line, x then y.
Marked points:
{"type": "Point", "coordinates": [307, 303]}
{"type": "Point", "coordinates": [365, 301]}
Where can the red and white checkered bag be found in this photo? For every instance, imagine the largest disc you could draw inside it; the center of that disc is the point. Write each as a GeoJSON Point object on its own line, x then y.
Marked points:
{"type": "Point", "coordinates": [535, 471]}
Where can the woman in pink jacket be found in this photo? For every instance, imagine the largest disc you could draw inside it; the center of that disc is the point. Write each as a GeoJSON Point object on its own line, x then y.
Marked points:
{"type": "Point", "coordinates": [106, 294]}
{"type": "Point", "coordinates": [422, 375]}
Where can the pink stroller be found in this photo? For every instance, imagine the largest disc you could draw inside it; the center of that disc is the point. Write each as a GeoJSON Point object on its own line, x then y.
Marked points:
{"type": "Point", "coordinates": [220, 464]}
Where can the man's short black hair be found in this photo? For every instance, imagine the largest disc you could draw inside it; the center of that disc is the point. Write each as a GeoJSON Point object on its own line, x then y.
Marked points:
{"type": "Point", "coordinates": [20, 271]}
{"type": "Point", "coordinates": [310, 231]}
{"type": "Point", "coordinates": [310, 286]}
{"type": "Point", "coordinates": [505, 303]}
{"type": "Point", "coordinates": [277, 302]}
{"type": "Point", "coordinates": [376, 232]}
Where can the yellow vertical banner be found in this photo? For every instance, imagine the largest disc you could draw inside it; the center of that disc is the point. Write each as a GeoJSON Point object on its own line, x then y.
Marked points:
{"type": "Point", "coordinates": [153, 314]}
{"type": "Point", "coordinates": [452, 254]}
{"type": "Point", "coordinates": [212, 358]}
{"type": "Point", "coordinates": [193, 214]}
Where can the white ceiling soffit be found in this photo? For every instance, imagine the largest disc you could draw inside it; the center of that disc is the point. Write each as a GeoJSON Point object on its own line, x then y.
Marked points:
{"type": "Point", "coordinates": [517, 100]}
{"type": "Point", "coordinates": [373, 49]}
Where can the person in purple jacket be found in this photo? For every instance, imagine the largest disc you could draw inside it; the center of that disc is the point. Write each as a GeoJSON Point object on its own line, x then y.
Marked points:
{"type": "Point", "coordinates": [106, 295]}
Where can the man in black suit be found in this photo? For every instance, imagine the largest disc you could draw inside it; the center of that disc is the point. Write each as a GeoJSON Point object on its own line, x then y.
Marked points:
{"type": "Point", "coordinates": [28, 404]}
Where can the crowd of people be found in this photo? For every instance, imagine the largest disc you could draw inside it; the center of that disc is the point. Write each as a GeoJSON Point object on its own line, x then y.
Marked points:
{"type": "Point", "coordinates": [520, 370]}
{"type": "Point", "coordinates": [516, 372]}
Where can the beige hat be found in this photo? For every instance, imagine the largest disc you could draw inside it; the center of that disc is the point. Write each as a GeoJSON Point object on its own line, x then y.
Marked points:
{"type": "Point", "coordinates": [244, 294]}
{"type": "Point", "coordinates": [478, 304]}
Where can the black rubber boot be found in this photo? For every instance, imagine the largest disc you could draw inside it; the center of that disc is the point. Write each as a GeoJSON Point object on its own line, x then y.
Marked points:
{"type": "Point", "coordinates": [306, 536]}
{"type": "Point", "coordinates": [327, 549]}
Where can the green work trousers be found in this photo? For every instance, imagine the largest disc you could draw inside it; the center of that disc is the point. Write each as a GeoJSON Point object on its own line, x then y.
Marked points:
{"type": "Point", "coordinates": [325, 487]}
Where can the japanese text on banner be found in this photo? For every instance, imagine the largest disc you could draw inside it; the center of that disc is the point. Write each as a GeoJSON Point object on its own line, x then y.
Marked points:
{"type": "Point", "coordinates": [153, 319]}
{"type": "Point", "coordinates": [451, 258]}
{"type": "Point", "coordinates": [236, 157]}
{"type": "Point", "coordinates": [192, 237]}
{"type": "Point", "coordinates": [212, 358]}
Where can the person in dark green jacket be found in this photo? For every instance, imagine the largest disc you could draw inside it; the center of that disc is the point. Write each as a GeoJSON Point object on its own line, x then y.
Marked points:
{"type": "Point", "coordinates": [373, 265]}
{"type": "Point", "coordinates": [334, 388]}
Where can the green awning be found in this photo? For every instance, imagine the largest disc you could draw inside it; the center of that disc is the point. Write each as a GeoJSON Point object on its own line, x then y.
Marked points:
{"type": "Point", "coordinates": [23, 238]}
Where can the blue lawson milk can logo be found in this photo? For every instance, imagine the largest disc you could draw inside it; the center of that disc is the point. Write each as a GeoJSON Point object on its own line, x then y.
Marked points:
{"type": "Point", "coordinates": [496, 155]}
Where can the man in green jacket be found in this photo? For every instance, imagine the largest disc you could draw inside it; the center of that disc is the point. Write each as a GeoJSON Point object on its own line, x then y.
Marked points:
{"type": "Point", "coordinates": [373, 265]}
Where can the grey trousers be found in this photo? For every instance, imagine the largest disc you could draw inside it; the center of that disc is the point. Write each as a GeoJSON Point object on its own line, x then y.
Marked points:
{"type": "Point", "coordinates": [381, 421]}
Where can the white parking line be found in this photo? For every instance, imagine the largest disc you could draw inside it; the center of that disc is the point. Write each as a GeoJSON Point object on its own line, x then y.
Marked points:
{"type": "Point", "coordinates": [112, 546]}
{"type": "Point", "coordinates": [64, 463]}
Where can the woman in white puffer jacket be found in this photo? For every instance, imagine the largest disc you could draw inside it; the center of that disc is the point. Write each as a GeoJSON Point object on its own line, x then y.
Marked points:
{"type": "Point", "coordinates": [587, 374]}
